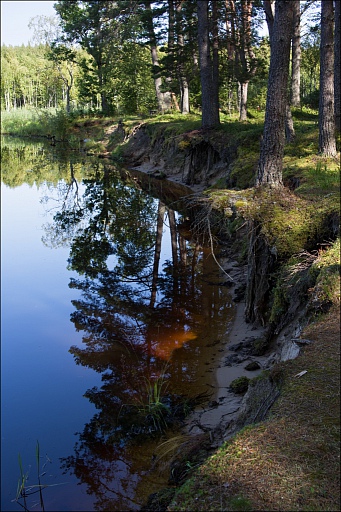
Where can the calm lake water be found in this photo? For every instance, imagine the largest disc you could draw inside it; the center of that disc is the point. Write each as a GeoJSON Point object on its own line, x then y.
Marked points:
{"type": "Point", "coordinates": [110, 309]}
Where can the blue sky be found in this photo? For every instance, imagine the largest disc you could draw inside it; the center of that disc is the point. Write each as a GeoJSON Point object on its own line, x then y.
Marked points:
{"type": "Point", "coordinates": [15, 17]}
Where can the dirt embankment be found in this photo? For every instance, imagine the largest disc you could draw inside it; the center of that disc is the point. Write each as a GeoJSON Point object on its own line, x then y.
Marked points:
{"type": "Point", "coordinates": [196, 158]}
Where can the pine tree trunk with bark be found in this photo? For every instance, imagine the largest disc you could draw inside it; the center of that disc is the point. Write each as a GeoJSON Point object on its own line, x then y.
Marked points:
{"type": "Point", "coordinates": [215, 57]}
{"type": "Point", "coordinates": [327, 142]}
{"type": "Point", "coordinates": [337, 53]}
{"type": "Point", "coordinates": [183, 82]}
{"type": "Point", "coordinates": [243, 101]}
{"type": "Point", "coordinates": [272, 148]}
{"type": "Point", "coordinates": [210, 111]}
{"type": "Point", "coordinates": [296, 57]}
{"type": "Point", "coordinates": [269, 8]}
{"type": "Point", "coordinates": [164, 99]}
{"type": "Point", "coordinates": [240, 48]}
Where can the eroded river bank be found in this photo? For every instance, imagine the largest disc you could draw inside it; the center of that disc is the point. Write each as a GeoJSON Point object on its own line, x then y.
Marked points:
{"type": "Point", "coordinates": [185, 324]}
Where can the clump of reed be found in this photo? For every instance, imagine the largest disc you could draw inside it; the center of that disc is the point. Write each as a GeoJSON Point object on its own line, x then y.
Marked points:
{"type": "Point", "coordinates": [26, 490]}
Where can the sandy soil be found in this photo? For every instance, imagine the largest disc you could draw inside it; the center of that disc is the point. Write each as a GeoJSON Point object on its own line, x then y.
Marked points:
{"type": "Point", "coordinates": [223, 408]}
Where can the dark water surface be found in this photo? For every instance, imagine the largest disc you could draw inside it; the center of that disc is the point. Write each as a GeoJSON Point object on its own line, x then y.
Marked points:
{"type": "Point", "coordinates": [82, 242]}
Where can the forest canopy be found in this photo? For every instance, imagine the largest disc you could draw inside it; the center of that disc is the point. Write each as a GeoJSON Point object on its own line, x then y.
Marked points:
{"type": "Point", "coordinates": [129, 57]}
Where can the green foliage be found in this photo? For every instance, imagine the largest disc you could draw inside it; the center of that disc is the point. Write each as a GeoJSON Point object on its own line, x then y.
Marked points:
{"type": "Point", "coordinates": [153, 409]}
{"type": "Point", "coordinates": [131, 84]}
{"type": "Point", "coordinates": [258, 85]}
{"type": "Point", "coordinates": [34, 77]}
{"type": "Point", "coordinates": [28, 78]}
{"type": "Point", "coordinates": [20, 122]}
{"type": "Point", "coordinates": [36, 122]}
{"type": "Point", "coordinates": [323, 177]}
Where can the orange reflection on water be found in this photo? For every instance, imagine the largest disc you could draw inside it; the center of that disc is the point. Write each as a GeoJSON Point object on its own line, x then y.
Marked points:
{"type": "Point", "coordinates": [165, 344]}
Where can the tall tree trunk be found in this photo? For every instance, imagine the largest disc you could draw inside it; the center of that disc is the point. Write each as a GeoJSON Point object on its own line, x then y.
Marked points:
{"type": "Point", "coordinates": [215, 56]}
{"type": "Point", "coordinates": [210, 112]}
{"type": "Point", "coordinates": [184, 95]}
{"type": "Point", "coordinates": [269, 8]}
{"type": "Point", "coordinates": [337, 77]}
{"type": "Point", "coordinates": [272, 149]}
{"type": "Point", "coordinates": [296, 57]}
{"type": "Point", "coordinates": [67, 107]}
{"type": "Point", "coordinates": [183, 82]}
{"type": "Point", "coordinates": [8, 100]}
{"type": "Point", "coordinates": [289, 125]}
{"type": "Point", "coordinates": [164, 99]}
{"type": "Point", "coordinates": [243, 101]}
{"type": "Point", "coordinates": [327, 143]}
{"type": "Point", "coordinates": [238, 21]}
{"type": "Point", "coordinates": [171, 50]}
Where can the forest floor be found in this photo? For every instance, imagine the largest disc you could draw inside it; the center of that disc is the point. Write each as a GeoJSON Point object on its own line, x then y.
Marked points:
{"type": "Point", "coordinates": [290, 461]}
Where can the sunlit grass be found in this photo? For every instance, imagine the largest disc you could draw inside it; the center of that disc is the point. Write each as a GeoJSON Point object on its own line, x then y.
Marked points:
{"type": "Point", "coordinates": [320, 179]}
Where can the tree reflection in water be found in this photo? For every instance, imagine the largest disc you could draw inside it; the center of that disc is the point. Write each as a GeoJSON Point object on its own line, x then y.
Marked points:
{"type": "Point", "coordinates": [146, 329]}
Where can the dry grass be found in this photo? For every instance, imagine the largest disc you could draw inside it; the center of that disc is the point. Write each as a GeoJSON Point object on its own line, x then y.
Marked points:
{"type": "Point", "coordinates": [291, 461]}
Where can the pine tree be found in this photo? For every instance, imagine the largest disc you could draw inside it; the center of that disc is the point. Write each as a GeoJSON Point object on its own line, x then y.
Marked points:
{"type": "Point", "coordinates": [327, 143]}
{"type": "Point", "coordinates": [272, 148]}
{"type": "Point", "coordinates": [210, 109]}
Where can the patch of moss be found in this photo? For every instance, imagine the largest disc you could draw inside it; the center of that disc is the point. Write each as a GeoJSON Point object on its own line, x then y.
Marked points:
{"type": "Point", "coordinates": [240, 503]}
{"type": "Point", "coordinates": [184, 144]}
{"type": "Point", "coordinates": [159, 501]}
{"type": "Point", "coordinates": [240, 385]}
{"type": "Point", "coordinates": [242, 171]}
{"type": "Point", "coordinates": [326, 271]}
{"type": "Point", "coordinates": [291, 224]}
{"type": "Point", "coordinates": [259, 345]}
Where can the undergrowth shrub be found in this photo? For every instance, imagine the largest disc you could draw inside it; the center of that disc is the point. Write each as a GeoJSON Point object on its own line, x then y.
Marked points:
{"type": "Point", "coordinates": [36, 122]}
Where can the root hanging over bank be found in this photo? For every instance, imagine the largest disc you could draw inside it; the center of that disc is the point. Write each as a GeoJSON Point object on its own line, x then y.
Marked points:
{"type": "Point", "coordinates": [205, 221]}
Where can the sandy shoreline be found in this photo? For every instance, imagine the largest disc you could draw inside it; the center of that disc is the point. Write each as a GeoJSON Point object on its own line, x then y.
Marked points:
{"type": "Point", "coordinates": [224, 406]}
